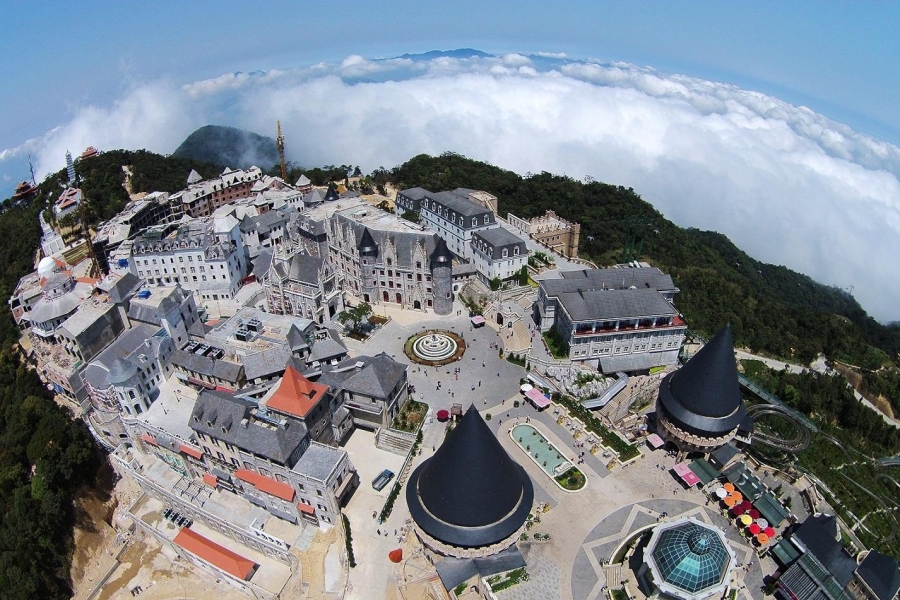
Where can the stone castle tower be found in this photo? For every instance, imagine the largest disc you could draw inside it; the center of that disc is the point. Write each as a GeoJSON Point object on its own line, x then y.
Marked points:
{"type": "Point", "coordinates": [368, 254]}
{"type": "Point", "coordinates": [442, 277]}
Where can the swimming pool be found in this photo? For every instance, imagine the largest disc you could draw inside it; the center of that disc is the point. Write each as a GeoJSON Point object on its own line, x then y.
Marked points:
{"type": "Point", "coordinates": [541, 451]}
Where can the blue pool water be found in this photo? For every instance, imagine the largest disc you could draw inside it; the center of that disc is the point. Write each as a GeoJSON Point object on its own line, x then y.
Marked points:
{"type": "Point", "coordinates": [536, 445]}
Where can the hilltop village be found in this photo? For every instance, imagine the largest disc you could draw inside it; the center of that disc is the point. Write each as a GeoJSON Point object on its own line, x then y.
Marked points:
{"type": "Point", "coordinates": [309, 392]}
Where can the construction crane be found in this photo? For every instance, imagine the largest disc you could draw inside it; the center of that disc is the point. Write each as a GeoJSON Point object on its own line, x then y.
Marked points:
{"type": "Point", "coordinates": [280, 142]}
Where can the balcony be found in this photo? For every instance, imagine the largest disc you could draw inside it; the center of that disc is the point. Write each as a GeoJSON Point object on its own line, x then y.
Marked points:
{"type": "Point", "coordinates": [676, 323]}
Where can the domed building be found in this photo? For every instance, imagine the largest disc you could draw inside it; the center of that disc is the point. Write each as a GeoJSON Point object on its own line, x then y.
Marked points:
{"type": "Point", "coordinates": [700, 406]}
{"type": "Point", "coordinates": [687, 559]}
{"type": "Point", "coordinates": [470, 499]}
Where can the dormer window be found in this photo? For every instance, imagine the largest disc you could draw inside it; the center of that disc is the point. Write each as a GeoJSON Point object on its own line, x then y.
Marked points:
{"type": "Point", "coordinates": [516, 251]}
{"type": "Point", "coordinates": [505, 253]}
{"type": "Point", "coordinates": [474, 221]}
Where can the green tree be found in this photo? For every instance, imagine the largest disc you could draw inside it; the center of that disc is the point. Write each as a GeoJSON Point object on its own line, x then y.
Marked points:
{"type": "Point", "coordinates": [355, 317]}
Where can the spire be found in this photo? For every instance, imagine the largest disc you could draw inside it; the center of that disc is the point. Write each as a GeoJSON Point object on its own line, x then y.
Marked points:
{"type": "Point", "coordinates": [441, 253]}
{"type": "Point", "coordinates": [367, 244]}
{"type": "Point", "coordinates": [331, 194]}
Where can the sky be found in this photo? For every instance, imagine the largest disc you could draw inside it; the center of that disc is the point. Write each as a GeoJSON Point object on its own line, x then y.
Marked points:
{"type": "Point", "coordinates": [774, 123]}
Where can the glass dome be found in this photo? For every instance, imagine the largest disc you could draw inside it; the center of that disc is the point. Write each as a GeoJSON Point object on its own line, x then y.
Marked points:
{"type": "Point", "coordinates": [689, 559]}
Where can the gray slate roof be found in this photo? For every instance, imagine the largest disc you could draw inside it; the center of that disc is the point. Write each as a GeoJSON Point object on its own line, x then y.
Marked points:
{"type": "Point", "coordinates": [327, 348]}
{"type": "Point", "coordinates": [97, 372]}
{"type": "Point", "coordinates": [47, 310]}
{"type": "Point", "coordinates": [404, 242]}
{"type": "Point", "coordinates": [305, 268]}
{"type": "Point", "coordinates": [120, 288]}
{"type": "Point", "coordinates": [603, 305]}
{"type": "Point", "coordinates": [318, 461]}
{"type": "Point", "coordinates": [817, 533]}
{"type": "Point", "coordinates": [416, 193]}
{"type": "Point", "coordinates": [266, 363]}
{"type": "Point", "coordinates": [221, 369]}
{"type": "Point", "coordinates": [880, 573]}
{"type": "Point", "coordinates": [262, 263]}
{"type": "Point", "coordinates": [498, 236]}
{"type": "Point", "coordinates": [226, 410]}
{"type": "Point", "coordinates": [376, 376]}
{"type": "Point", "coordinates": [461, 205]}
{"type": "Point", "coordinates": [597, 279]}
{"type": "Point", "coordinates": [264, 222]}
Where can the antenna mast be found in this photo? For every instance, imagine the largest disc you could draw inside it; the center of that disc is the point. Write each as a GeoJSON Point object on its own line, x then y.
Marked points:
{"type": "Point", "coordinates": [280, 142]}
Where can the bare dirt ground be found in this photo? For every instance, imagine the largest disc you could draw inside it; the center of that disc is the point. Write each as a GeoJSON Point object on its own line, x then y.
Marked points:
{"type": "Point", "coordinates": [103, 546]}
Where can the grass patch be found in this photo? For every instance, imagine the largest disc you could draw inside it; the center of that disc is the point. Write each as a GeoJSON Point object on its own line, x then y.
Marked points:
{"type": "Point", "coordinates": [410, 417]}
{"type": "Point", "coordinates": [572, 480]}
{"type": "Point", "coordinates": [499, 583]}
{"type": "Point", "coordinates": [557, 346]}
{"type": "Point", "coordinates": [618, 594]}
{"type": "Point", "coordinates": [516, 358]}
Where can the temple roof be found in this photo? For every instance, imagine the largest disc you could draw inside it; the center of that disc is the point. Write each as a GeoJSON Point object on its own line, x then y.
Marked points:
{"type": "Point", "coordinates": [470, 493]}
{"type": "Point", "coordinates": [703, 396]}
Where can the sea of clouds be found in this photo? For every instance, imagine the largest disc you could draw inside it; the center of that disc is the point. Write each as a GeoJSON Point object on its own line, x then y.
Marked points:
{"type": "Point", "coordinates": [786, 184]}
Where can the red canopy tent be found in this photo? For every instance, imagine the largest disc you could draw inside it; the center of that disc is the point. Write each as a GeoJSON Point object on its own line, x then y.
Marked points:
{"type": "Point", "coordinates": [395, 556]}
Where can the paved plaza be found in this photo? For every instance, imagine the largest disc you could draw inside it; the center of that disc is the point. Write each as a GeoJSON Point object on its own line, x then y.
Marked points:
{"type": "Point", "coordinates": [585, 526]}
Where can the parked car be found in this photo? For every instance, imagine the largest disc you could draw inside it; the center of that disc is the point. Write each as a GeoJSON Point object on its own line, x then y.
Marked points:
{"type": "Point", "coordinates": [382, 480]}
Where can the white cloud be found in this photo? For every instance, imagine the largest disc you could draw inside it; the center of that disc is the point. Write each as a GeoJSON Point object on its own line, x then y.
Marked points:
{"type": "Point", "coordinates": [785, 183]}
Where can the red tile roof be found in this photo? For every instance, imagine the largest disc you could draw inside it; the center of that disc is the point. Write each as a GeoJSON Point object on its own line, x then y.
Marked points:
{"type": "Point", "coordinates": [149, 439]}
{"type": "Point", "coordinates": [210, 480]}
{"type": "Point", "coordinates": [306, 508]}
{"type": "Point", "coordinates": [296, 395]}
{"type": "Point", "coordinates": [216, 555]}
{"type": "Point", "coordinates": [266, 484]}
{"type": "Point", "coordinates": [192, 451]}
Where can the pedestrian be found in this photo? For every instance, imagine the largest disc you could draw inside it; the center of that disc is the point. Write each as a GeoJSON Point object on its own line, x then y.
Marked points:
{"type": "Point", "coordinates": [378, 531]}
{"type": "Point", "coordinates": [479, 383]}
{"type": "Point", "coordinates": [432, 447]}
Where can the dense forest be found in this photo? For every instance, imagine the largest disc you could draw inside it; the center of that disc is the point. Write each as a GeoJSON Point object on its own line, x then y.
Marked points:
{"type": "Point", "coordinates": [45, 455]}
{"type": "Point", "coordinates": [772, 309]}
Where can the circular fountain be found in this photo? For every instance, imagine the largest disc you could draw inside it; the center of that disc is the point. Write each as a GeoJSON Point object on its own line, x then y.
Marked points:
{"type": "Point", "coordinates": [435, 347]}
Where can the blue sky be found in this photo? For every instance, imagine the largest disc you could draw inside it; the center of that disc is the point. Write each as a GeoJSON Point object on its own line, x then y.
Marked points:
{"type": "Point", "coordinates": [839, 58]}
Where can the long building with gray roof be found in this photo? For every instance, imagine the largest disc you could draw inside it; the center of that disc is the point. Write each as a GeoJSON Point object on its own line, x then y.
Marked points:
{"type": "Point", "coordinates": [618, 320]}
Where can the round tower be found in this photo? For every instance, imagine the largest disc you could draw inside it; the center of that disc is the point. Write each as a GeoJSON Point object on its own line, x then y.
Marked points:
{"type": "Point", "coordinates": [442, 277]}
{"type": "Point", "coordinates": [368, 255]}
{"type": "Point", "coordinates": [123, 377]}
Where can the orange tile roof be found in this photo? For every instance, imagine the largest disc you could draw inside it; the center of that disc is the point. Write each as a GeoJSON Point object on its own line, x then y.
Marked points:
{"type": "Point", "coordinates": [266, 484]}
{"type": "Point", "coordinates": [210, 480]}
{"type": "Point", "coordinates": [216, 555]}
{"type": "Point", "coordinates": [149, 439]}
{"type": "Point", "coordinates": [296, 395]}
{"type": "Point", "coordinates": [191, 451]}
{"type": "Point", "coordinates": [306, 508]}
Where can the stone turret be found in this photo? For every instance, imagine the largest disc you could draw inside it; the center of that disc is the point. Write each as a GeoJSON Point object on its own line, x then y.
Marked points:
{"type": "Point", "coordinates": [368, 255]}
{"type": "Point", "coordinates": [442, 277]}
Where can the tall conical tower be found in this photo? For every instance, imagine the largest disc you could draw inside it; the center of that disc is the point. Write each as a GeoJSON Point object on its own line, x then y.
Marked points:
{"type": "Point", "coordinates": [442, 277]}
{"type": "Point", "coordinates": [368, 255]}
{"type": "Point", "coordinates": [280, 141]}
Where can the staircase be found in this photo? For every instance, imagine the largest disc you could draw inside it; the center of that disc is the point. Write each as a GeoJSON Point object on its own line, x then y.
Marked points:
{"type": "Point", "coordinates": [392, 440]}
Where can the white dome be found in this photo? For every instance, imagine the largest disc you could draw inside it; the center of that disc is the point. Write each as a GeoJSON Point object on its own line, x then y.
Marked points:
{"type": "Point", "coordinates": [46, 267]}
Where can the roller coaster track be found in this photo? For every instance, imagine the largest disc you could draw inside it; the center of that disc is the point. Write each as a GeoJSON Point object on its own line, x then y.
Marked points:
{"type": "Point", "coordinates": [798, 443]}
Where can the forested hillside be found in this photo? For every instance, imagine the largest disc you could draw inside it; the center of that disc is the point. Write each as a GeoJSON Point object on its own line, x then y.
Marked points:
{"type": "Point", "coordinates": [771, 308]}
{"type": "Point", "coordinates": [236, 148]}
{"type": "Point", "coordinates": [45, 456]}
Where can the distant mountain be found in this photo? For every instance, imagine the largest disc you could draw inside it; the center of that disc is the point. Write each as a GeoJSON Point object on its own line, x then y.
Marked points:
{"type": "Point", "coordinates": [458, 53]}
{"type": "Point", "coordinates": [229, 146]}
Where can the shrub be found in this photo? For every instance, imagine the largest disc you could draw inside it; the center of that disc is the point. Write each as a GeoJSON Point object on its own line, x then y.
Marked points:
{"type": "Point", "coordinates": [348, 540]}
{"type": "Point", "coordinates": [389, 504]}
{"type": "Point", "coordinates": [487, 417]}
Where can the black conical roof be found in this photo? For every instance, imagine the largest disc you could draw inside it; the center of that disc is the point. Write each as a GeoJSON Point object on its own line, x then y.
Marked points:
{"type": "Point", "coordinates": [367, 243]}
{"type": "Point", "coordinates": [331, 194]}
{"type": "Point", "coordinates": [441, 253]}
{"type": "Point", "coordinates": [703, 396]}
{"type": "Point", "coordinates": [470, 493]}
